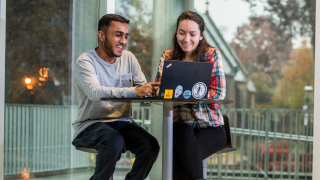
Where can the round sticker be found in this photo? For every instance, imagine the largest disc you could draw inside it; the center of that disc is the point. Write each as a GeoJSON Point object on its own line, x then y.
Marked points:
{"type": "Point", "coordinates": [199, 90]}
{"type": "Point", "coordinates": [187, 94]}
{"type": "Point", "coordinates": [178, 91]}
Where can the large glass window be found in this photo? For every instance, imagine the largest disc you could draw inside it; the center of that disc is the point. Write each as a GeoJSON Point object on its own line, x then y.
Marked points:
{"type": "Point", "coordinates": [42, 40]}
{"type": "Point", "coordinates": [268, 53]}
{"type": "Point", "coordinates": [37, 88]}
{"type": "Point", "coordinates": [267, 49]}
{"type": "Point", "coordinates": [38, 52]}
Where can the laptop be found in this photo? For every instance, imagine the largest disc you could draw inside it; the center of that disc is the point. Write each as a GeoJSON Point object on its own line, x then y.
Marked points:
{"type": "Point", "coordinates": [185, 80]}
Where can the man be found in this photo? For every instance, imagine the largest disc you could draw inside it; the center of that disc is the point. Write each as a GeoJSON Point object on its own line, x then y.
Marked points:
{"type": "Point", "coordinates": [109, 71]}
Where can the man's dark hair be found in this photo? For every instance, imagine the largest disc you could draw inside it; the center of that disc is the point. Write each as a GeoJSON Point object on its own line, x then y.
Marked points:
{"type": "Point", "coordinates": [106, 20]}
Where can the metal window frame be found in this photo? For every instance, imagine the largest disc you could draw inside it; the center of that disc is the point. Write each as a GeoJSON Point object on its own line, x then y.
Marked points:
{"type": "Point", "coordinates": [2, 79]}
{"type": "Point", "coordinates": [316, 135]}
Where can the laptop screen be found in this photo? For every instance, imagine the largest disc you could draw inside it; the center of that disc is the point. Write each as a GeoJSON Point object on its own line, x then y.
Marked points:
{"type": "Point", "coordinates": [185, 80]}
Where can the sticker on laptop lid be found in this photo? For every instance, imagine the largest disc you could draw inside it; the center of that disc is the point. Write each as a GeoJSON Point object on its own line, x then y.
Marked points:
{"type": "Point", "coordinates": [199, 90]}
{"type": "Point", "coordinates": [169, 65]}
{"type": "Point", "coordinates": [178, 91]}
{"type": "Point", "coordinates": [187, 94]}
{"type": "Point", "coordinates": [168, 94]}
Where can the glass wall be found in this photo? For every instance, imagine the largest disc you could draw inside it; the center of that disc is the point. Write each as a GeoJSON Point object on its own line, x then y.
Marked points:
{"type": "Point", "coordinates": [268, 58]}
{"type": "Point", "coordinates": [37, 88]}
{"type": "Point", "coordinates": [43, 40]}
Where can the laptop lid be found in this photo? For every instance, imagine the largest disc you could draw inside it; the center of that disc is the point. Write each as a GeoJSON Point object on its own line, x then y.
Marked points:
{"type": "Point", "coordinates": [185, 80]}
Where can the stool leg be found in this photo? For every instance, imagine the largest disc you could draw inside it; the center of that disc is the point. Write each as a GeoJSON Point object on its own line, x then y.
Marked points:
{"type": "Point", "coordinates": [204, 165]}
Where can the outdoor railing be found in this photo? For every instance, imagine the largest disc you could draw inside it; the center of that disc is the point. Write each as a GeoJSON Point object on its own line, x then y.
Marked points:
{"type": "Point", "coordinates": [273, 144]}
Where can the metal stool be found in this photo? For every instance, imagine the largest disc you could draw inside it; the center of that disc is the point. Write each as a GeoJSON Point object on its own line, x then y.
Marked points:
{"type": "Point", "coordinates": [228, 147]}
{"type": "Point", "coordinates": [89, 150]}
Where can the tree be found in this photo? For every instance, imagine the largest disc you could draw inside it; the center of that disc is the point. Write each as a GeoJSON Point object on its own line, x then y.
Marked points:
{"type": "Point", "coordinates": [296, 74]}
{"type": "Point", "coordinates": [259, 47]}
{"type": "Point", "coordinates": [291, 16]}
{"type": "Point", "coordinates": [263, 52]}
{"type": "Point", "coordinates": [265, 44]}
{"type": "Point", "coordinates": [38, 36]}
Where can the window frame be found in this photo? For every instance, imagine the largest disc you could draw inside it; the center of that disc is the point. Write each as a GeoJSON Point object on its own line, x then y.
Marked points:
{"type": "Point", "coordinates": [316, 135]}
{"type": "Point", "coordinates": [2, 80]}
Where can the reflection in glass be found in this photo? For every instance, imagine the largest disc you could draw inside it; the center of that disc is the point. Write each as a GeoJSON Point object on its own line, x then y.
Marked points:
{"type": "Point", "coordinates": [269, 60]}
{"type": "Point", "coordinates": [38, 47]}
{"type": "Point", "coordinates": [38, 96]}
{"type": "Point", "coordinates": [139, 12]}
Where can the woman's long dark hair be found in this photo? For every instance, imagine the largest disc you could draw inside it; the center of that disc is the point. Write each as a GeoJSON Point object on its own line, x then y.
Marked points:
{"type": "Point", "coordinates": [203, 46]}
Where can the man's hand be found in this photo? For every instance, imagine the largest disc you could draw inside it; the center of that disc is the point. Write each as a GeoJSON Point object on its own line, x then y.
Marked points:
{"type": "Point", "coordinates": [148, 89]}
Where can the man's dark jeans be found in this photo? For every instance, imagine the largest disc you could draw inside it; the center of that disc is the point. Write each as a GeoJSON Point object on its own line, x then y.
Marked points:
{"type": "Point", "coordinates": [113, 138]}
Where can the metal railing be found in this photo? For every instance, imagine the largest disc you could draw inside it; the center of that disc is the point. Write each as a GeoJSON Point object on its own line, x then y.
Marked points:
{"type": "Point", "coordinates": [38, 139]}
{"type": "Point", "coordinates": [271, 144]}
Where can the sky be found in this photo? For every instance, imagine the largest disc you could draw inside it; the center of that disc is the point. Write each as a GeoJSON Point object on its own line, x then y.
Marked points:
{"type": "Point", "coordinates": [226, 19]}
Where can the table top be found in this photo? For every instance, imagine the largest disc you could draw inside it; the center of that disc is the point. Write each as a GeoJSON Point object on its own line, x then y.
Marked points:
{"type": "Point", "coordinates": [174, 101]}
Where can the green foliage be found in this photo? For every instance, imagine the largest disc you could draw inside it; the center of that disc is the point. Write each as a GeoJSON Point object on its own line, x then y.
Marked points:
{"type": "Point", "coordinates": [38, 35]}
{"type": "Point", "coordinates": [296, 75]}
{"type": "Point", "coordinates": [291, 16]}
{"type": "Point", "coordinates": [263, 53]}
{"type": "Point", "coordinates": [264, 47]}
{"type": "Point", "coordinates": [263, 84]}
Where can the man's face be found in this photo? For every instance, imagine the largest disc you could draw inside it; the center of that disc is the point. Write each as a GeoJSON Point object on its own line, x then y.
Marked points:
{"type": "Point", "coordinates": [115, 40]}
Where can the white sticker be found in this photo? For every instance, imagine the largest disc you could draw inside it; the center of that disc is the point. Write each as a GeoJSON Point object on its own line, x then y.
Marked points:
{"type": "Point", "coordinates": [169, 65]}
{"type": "Point", "coordinates": [178, 91]}
{"type": "Point", "coordinates": [199, 90]}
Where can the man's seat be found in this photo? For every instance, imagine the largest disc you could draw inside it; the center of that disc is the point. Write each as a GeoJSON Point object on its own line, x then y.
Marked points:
{"type": "Point", "coordinates": [85, 149]}
{"type": "Point", "coordinates": [228, 147]}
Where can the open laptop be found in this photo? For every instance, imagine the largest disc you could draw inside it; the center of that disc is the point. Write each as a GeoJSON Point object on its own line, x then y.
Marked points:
{"type": "Point", "coordinates": [185, 80]}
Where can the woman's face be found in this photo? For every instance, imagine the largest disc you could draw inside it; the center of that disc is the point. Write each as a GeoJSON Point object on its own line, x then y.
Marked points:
{"type": "Point", "coordinates": [188, 36]}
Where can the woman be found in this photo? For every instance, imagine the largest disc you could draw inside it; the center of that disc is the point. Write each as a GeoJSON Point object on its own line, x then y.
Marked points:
{"type": "Point", "coordinates": [198, 130]}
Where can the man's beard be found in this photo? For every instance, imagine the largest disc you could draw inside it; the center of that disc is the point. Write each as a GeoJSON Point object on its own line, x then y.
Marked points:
{"type": "Point", "coordinates": [108, 48]}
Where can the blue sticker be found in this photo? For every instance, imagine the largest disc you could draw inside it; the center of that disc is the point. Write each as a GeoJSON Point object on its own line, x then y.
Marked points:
{"type": "Point", "coordinates": [187, 94]}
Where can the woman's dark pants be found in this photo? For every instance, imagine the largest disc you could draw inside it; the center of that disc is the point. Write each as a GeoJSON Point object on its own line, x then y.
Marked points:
{"type": "Point", "coordinates": [191, 146]}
